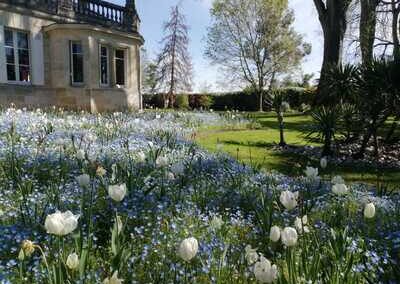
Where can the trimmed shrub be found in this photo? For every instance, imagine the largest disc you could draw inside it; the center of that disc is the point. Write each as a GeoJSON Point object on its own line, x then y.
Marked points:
{"type": "Point", "coordinates": [200, 101]}
{"type": "Point", "coordinates": [182, 102]}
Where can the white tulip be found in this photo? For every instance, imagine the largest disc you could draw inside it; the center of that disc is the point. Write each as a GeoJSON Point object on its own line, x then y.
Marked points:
{"type": "Point", "coordinates": [61, 224]}
{"type": "Point", "coordinates": [113, 279]}
{"type": "Point", "coordinates": [289, 199]}
{"type": "Point", "coordinates": [300, 224]}
{"type": "Point", "coordinates": [340, 189]}
{"type": "Point", "coordinates": [337, 180]}
{"type": "Point", "coordinates": [324, 162]}
{"type": "Point", "coordinates": [311, 173]}
{"type": "Point", "coordinates": [369, 211]}
{"type": "Point", "coordinates": [80, 155]}
{"type": "Point", "coordinates": [117, 192]}
{"type": "Point", "coordinates": [83, 180]}
{"type": "Point", "coordinates": [216, 223]}
{"type": "Point", "coordinates": [275, 234]}
{"type": "Point", "coordinates": [264, 271]}
{"type": "Point", "coordinates": [141, 156]}
{"type": "Point", "coordinates": [188, 249]}
{"type": "Point", "coordinates": [161, 161]}
{"type": "Point", "coordinates": [72, 261]}
{"type": "Point", "coordinates": [289, 236]}
{"type": "Point", "coordinates": [170, 176]}
{"type": "Point", "coordinates": [251, 255]}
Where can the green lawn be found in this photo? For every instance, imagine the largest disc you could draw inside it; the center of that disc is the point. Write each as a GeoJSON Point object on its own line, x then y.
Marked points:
{"type": "Point", "coordinates": [255, 147]}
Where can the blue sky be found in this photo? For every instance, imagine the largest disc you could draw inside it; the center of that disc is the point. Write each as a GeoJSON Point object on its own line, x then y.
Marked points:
{"type": "Point", "coordinates": [154, 13]}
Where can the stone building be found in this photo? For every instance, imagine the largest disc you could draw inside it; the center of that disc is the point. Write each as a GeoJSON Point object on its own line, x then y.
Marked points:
{"type": "Point", "coordinates": [75, 54]}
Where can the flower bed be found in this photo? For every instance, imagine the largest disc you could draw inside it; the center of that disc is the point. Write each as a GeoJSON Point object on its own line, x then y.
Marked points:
{"type": "Point", "coordinates": [104, 198]}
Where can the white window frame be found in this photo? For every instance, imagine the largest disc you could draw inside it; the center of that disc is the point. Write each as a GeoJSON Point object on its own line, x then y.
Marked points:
{"type": "Point", "coordinates": [16, 56]}
{"type": "Point", "coordinates": [71, 42]}
{"type": "Point", "coordinates": [108, 65]}
{"type": "Point", "coordinates": [115, 66]}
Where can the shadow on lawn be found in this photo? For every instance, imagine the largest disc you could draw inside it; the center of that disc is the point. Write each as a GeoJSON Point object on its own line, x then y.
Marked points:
{"type": "Point", "coordinates": [292, 164]}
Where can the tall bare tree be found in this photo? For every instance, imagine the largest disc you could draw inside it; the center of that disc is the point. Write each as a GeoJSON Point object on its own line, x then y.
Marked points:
{"type": "Point", "coordinates": [254, 41]}
{"type": "Point", "coordinates": [368, 20]}
{"type": "Point", "coordinates": [332, 16]}
{"type": "Point", "coordinates": [174, 62]}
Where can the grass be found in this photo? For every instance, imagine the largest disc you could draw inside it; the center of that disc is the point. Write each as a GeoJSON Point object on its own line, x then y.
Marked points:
{"type": "Point", "coordinates": [255, 147]}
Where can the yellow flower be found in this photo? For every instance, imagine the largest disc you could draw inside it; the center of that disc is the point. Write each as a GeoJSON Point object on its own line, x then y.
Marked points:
{"type": "Point", "coordinates": [28, 247]}
{"type": "Point", "coordinates": [100, 171]}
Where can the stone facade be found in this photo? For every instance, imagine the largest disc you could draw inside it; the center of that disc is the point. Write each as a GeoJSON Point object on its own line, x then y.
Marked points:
{"type": "Point", "coordinates": [50, 30]}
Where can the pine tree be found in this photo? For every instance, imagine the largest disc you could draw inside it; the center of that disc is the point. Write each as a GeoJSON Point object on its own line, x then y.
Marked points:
{"type": "Point", "coordinates": [174, 62]}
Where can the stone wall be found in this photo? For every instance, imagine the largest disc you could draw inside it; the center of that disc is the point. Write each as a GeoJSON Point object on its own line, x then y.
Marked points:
{"type": "Point", "coordinates": [93, 100]}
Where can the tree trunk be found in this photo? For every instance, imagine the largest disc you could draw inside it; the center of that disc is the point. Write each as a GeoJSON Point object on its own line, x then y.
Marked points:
{"type": "Point", "coordinates": [332, 17]}
{"type": "Point", "coordinates": [282, 141]}
{"type": "Point", "coordinates": [396, 30]}
{"type": "Point", "coordinates": [390, 134]}
{"type": "Point", "coordinates": [261, 100]}
{"type": "Point", "coordinates": [364, 145]}
{"type": "Point", "coordinates": [376, 145]}
{"type": "Point", "coordinates": [367, 29]}
{"type": "Point", "coordinates": [327, 149]}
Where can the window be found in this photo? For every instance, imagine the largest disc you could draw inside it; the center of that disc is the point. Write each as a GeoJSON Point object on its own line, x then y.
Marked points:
{"type": "Point", "coordinates": [104, 77]}
{"type": "Point", "coordinates": [120, 67]}
{"type": "Point", "coordinates": [76, 62]}
{"type": "Point", "coordinates": [17, 56]}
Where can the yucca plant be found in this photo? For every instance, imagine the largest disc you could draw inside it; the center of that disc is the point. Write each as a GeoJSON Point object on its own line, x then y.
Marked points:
{"type": "Point", "coordinates": [340, 85]}
{"type": "Point", "coordinates": [325, 126]}
{"type": "Point", "coordinates": [376, 99]}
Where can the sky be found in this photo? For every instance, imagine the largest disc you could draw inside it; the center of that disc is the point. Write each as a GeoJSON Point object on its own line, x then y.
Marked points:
{"type": "Point", "coordinates": [154, 13]}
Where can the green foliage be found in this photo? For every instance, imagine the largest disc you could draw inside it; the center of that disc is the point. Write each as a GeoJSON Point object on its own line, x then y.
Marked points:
{"type": "Point", "coordinates": [200, 101]}
{"type": "Point", "coordinates": [339, 85]}
{"type": "Point", "coordinates": [325, 126]}
{"type": "Point", "coordinates": [182, 102]}
{"type": "Point", "coordinates": [254, 41]}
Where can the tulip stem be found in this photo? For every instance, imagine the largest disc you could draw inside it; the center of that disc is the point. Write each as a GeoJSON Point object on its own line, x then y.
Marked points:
{"type": "Point", "coordinates": [45, 262]}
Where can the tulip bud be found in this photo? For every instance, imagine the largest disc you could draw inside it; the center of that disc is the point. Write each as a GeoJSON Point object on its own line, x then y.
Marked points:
{"type": "Point", "coordinates": [117, 192]}
{"type": "Point", "coordinates": [289, 236]}
{"type": "Point", "coordinates": [369, 211]}
{"type": "Point", "coordinates": [28, 247]}
{"type": "Point", "coordinates": [324, 162]}
{"type": "Point", "coordinates": [188, 249]}
{"type": "Point", "coordinates": [289, 199]}
{"type": "Point", "coordinates": [275, 234]}
{"type": "Point", "coordinates": [72, 261]}
{"type": "Point", "coordinates": [83, 180]}
{"type": "Point", "coordinates": [340, 189]}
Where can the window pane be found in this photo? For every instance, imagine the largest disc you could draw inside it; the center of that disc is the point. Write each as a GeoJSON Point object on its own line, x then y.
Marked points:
{"type": "Point", "coordinates": [104, 70]}
{"type": "Point", "coordinates": [10, 55]}
{"type": "Point", "coordinates": [76, 48]}
{"type": "Point", "coordinates": [119, 54]}
{"type": "Point", "coordinates": [119, 72]}
{"type": "Point", "coordinates": [77, 63]}
{"type": "Point", "coordinates": [103, 51]}
{"type": "Point", "coordinates": [22, 39]}
{"type": "Point", "coordinates": [24, 73]}
{"type": "Point", "coordinates": [23, 56]}
{"type": "Point", "coordinates": [11, 73]}
{"type": "Point", "coordinates": [8, 38]}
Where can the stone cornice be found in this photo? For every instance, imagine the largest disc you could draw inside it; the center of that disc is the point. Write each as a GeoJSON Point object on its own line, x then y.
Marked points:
{"type": "Point", "coordinates": [89, 27]}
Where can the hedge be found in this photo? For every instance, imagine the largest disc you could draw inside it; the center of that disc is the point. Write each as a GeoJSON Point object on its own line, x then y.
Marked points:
{"type": "Point", "coordinates": [242, 101]}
